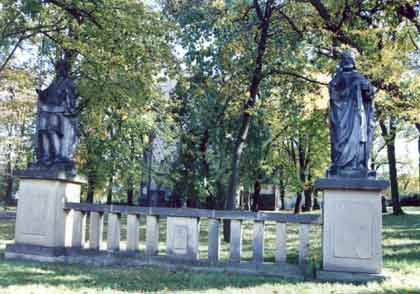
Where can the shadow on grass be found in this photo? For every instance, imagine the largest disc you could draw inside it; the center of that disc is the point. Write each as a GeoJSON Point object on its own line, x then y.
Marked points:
{"type": "Point", "coordinates": [128, 279]}
{"type": "Point", "coordinates": [402, 252]}
{"type": "Point", "coordinates": [121, 278]}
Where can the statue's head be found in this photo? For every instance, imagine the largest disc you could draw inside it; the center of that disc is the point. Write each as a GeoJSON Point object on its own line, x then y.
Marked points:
{"type": "Point", "coordinates": [347, 61]}
{"type": "Point", "coordinates": [62, 68]}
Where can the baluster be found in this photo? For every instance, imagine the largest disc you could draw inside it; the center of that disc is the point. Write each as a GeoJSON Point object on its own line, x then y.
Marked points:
{"type": "Point", "coordinates": [79, 229]}
{"type": "Point", "coordinates": [281, 237]}
{"type": "Point", "coordinates": [152, 235]}
{"type": "Point", "coordinates": [96, 226]}
{"type": "Point", "coordinates": [132, 232]}
{"type": "Point", "coordinates": [258, 242]}
{"type": "Point", "coordinates": [69, 223]}
{"type": "Point", "coordinates": [304, 230]}
{"type": "Point", "coordinates": [214, 240]}
{"type": "Point", "coordinates": [113, 235]}
{"type": "Point", "coordinates": [235, 240]}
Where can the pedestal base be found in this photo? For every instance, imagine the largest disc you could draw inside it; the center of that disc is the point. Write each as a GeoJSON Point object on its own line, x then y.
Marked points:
{"type": "Point", "coordinates": [40, 218]}
{"type": "Point", "coordinates": [34, 253]}
{"type": "Point", "coordinates": [352, 227]}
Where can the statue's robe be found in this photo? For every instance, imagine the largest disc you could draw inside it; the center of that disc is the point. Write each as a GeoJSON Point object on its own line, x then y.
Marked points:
{"type": "Point", "coordinates": [56, 113]}
{"type": "Point", "coordinates": [351, 123]}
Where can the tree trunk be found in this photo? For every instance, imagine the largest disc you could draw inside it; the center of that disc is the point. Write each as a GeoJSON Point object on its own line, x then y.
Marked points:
{"type": "Point", "coordinates": [9, 178]}
{"type": "Point", "coordinates": [246, 115]}
{"type": "Point", "coordinates": [192, 200]}
{"type": "Point", "coordinates": [282, 190]}
{"type": "Point", "coordinates": [9, 184]}
{"type": "Point", "coordinates": [316, 205]}
{"type": "Point", "coordinates": [418, 148]}
{"type": "Point", "coordinates": [130, 191]}
{"type": "Point", "coordinates": [389, 137]}
{"type": "Point", "coordinates": [149, 155]}
{"type": "Point", "coordinates": [282, 194]}
{"type": "Point", "coordinates": [276, 197]}
{"type": "Point", "coordinates": [109, 190]}
{"type": "Point", "coordinates": [205, 163]}
{"type": "Point", "coordinates": [302, 176]}
{"type": "Point", "coordinates": [384, 210]}
{"type": "Point", "coordinates": [298, 203]}
{"type": "Point", "coordinates": [308, 199]}
{"type": "Point", "coordinates": [91, 187]}
{"type": "Point", "coordinates": [308, 196]}
{"type": "Point", "coordinates": [256, 196]}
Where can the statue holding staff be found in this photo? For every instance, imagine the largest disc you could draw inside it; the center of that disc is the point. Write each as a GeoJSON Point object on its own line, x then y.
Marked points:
{"type": "Point", "coordinates": [351, 121]}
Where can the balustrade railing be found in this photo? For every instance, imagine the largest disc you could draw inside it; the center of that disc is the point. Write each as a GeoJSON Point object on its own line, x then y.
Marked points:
{"type": "Point", "coordinates": [183, 233]}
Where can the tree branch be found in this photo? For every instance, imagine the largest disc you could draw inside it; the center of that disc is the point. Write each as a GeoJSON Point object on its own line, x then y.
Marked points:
{"type": "Point", "coordinates": [258, 9]}
{"type": "Point", "coordinates": [3, 66]}
{"type": "Point", "coordinates": [296, 75]}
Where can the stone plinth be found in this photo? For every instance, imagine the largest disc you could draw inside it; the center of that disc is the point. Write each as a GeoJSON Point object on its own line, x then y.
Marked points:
{"type": "Point", "coordinates": [352, 230]}
{"type": "Point", "coordinates": [182, 237]}
{"type": "Point", "coordinates": [41, 228]}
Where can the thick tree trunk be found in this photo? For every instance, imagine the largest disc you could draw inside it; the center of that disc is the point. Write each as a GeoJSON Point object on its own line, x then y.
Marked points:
{"type": "Point", "coordinates": [282, 190]}
{"type": "Point", "coordinates": [308, 196]}
{"type": "Point", "coordinates": [384, 210]}
{"type": "Point", "coordinates": [316, 203]}
{"type": "Point", "coordinates": [130, 191]}
{"type": "Point", "coordinates": [205, 163]}
{"type": "Point", "coordinates": [418, 149]}
{"type": "Point", "coordinates": [308, 199]}
{"type": "Point", "coordinates": [302, 178]}
{"type": "Point", "coordinates": [9, 178]}
{"type": "Point", "coordinates": [389, 137]}
{"type": "Point", "coordinates": [109, 190]}
{"type": "Point", "coordinates": [256, 196]}
{"type": "Point", "coordinates": [9, 184]}
{"type": "Point", "coordinates": [149, 155]}
{"type": "Point", "coordinates": [282, 194]}
{"type": "Point", "coordinates": [192, 200]}
{"type": "Point", "coordinates": [91, 187]}
{"type": "Point", "coordinates": [246, 115]}
{"type": "Point", "coordinates": [298, 203]}
{"type": "Point", "coordinates": [277, 200]}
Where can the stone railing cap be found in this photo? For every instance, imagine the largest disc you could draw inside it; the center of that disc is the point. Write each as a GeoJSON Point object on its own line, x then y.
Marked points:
{"type": "Point", "coordinates": [351, 184]}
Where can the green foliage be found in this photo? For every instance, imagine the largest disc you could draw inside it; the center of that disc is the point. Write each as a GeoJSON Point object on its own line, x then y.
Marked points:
{"type": "Point", "coordinates": [17, 108]}
{"type": "Point", "coordinates": [124, 52]}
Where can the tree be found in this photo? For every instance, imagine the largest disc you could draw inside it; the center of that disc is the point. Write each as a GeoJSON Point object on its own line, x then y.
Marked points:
{"type": "Point", "coordinates": [418, 149]}
{"type": "Point", "coordinates": [389, 134]}
{"type": "Point", "coordinates": [17, 105]}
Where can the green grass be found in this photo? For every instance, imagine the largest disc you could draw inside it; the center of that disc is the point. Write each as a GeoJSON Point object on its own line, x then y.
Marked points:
{"type": "Point", "coordinates": [401, 262]}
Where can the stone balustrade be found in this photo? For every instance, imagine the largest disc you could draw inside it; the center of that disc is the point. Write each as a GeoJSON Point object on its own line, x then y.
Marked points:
{"type": "Point", "coordinates": [52, 226]}
{"type": "Point", "coordinates": [182, 237]}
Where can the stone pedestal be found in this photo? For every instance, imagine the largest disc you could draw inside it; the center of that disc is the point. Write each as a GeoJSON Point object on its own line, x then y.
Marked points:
{"type": "Point", "coordinates": [41, 229]}
{"type": "Point", "coordinates": [352, 225]}
{"type": "Point", "coordinates": [182, 237]}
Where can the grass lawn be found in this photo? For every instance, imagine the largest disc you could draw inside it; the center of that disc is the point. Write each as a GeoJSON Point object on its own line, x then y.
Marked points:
{"type": "Point", "coordinates": [401, 262]}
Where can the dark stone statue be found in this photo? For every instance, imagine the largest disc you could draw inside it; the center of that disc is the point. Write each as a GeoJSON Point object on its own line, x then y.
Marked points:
{"type": "Point", "coordinates": [56, 123]}
{"type": "Point", "coordinates": [351, 121]}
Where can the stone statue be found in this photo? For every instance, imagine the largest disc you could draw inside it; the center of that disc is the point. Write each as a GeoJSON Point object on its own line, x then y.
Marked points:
{"type": "Point", "coordinates": [56, 123]}
{"type": "Point", "coordinates": [351, 121]}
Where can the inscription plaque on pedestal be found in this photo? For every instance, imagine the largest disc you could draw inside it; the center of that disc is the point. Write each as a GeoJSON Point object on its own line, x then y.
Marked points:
{"type": "Point", "coordinates": [182, 238]}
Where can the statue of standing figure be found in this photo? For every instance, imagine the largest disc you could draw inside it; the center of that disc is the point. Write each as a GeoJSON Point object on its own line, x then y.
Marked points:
{"type": "Point", "coordinates": [56, 122]}
{"type": "Point", "coordinates": [351, 121]}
